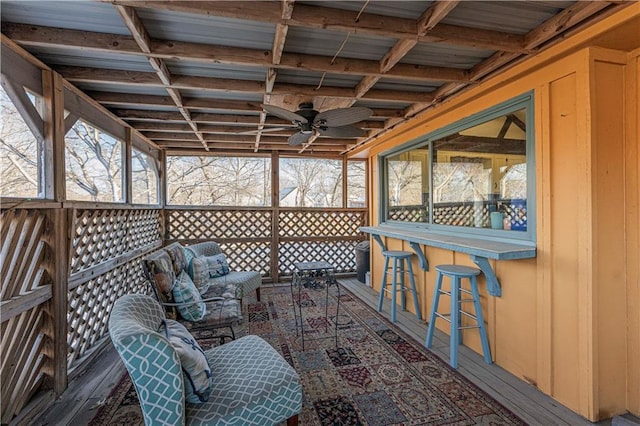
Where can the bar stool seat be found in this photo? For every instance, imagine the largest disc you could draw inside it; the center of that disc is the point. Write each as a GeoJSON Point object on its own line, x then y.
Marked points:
{"type": "Point", "coordinates": [398, 271]}
{"type": "Point", "coordinates": [456, 273]}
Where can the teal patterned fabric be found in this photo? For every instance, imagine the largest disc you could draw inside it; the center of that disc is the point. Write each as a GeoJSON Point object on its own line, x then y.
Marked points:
{"type": "Point", "coordinates": [152, 362]}
{"type": "Point", "coordinates": [184, 291]}
{"type": "Point", "coordinates": [195, 368]}
{"type": "Point", "coordinates": [189, 255]}
{"type": "Point", "coordinates": [252, 383]}
{"type": "Point", "coordinates": [247, 281]}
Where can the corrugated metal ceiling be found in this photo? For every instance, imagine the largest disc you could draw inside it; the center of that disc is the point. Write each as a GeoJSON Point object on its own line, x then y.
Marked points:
{"type": "Point", "coordinates": [234, 80]}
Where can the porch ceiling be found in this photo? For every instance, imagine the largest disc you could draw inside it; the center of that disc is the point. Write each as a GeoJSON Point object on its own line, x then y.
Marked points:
{"type": "Point", "coordinates": [192, 75]}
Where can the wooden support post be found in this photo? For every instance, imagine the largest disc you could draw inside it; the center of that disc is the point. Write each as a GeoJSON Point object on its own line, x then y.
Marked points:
{"type": "Point", "coordinates": [58, 234]}
{"type": "Point", "coordinates": [275, 226]}
{"type": "Point", "coordinates": [127, 164]}
{"type": "Point", "coordinates": [60, 299]}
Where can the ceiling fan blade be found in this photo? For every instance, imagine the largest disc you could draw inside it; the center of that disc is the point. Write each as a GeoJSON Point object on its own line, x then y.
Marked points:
{"type": "Point", "coordinates": [342, 132]}
{"type": "Point", "coordinates": [342, 116]}
{"type": "Point", "coordinates": [283, 113]}
{"type": "Point", "coordinates": [265, 130]}
{"type": "Point", "coordinates": [299, 138]}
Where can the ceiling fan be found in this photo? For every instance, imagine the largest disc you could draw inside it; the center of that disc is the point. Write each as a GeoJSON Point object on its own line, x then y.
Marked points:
{"type": "Point", "coordinates": [334, 123]}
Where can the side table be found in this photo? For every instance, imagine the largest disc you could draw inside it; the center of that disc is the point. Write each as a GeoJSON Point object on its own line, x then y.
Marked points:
{"type": "Point", "coordinates": [316, 276]}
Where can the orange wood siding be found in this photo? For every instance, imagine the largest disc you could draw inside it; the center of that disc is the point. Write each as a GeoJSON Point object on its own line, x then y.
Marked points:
{"type": "Point", "coordinates": [568, 321]}
{"type": "Point", "coordinates": [608, 105]}
{"type": "Point", "coordinates": [632, 231]}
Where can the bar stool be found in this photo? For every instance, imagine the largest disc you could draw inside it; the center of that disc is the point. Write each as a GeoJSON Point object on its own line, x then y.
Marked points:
{"type": "Point", "coordinates": [456, 273]}
{"type": "Point", "coordinates": [398, 270]}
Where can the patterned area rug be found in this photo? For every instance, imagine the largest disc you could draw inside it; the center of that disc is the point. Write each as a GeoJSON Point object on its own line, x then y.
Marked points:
{"type": "Point", "coordinates": [375, 374]}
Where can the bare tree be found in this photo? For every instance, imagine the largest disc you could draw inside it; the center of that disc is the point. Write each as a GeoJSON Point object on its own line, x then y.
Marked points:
{"type": "Point", "coordinates": [93, 164]}
{"type": "Point", "coordinates": [144, 172]}
{"type": "Point", "coordinates": [317, 182]}
{"type": "Point", "coordinates": [215, 180]}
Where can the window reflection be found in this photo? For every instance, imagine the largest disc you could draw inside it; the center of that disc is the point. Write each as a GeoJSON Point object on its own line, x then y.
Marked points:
{"type": "Point", "coordinates": [408, 186]}
{"type": "Point", "coordinates": [480, 175]}
{"type": "Point", "coordinates": [475, 177]}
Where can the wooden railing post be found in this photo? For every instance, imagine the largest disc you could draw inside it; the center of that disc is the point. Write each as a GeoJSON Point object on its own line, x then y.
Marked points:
{"type": "Point", "coordinates": [275, 219]}
{"type": "Point", "coordinates": [60, 298]}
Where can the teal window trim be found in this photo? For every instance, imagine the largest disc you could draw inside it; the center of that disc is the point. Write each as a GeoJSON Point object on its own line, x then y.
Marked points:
{"type": "Point", "coordinates": [525, 101]}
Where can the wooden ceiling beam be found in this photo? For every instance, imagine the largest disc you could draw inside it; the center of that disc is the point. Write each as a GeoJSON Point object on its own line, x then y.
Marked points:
{"type": "Point", "coordinates": [569, 17]}
{"type": "Point", "coordinates": [142, 38]}
{"type": "Point", "coordinates": [429, 19]}
{"type": "Point", "coordinates": [231, 148]}
{"type": "Point", "coordinates": [232, 138]}
{"type": "Point", "coordinates": [97, 75]}
{"type": "Point", "coordinates": [308, 16]}
{"type": "Point", "coordinates": [163, 126]}
{"type": "Point", "coordinates": [172, 116]}
{"type": "Point", "coordinates": [30, 35]}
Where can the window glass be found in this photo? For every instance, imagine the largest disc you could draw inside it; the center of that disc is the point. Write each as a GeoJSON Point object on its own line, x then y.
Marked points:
{"type": "Point", "coordinates": [93, 162]}
{"type": "Point", "coordinates": [482, 170]}
{"type": "Point", "coordinates": [308, 182]}
{"type": "Point", "coordinates": [408, 185]}
{"type": "Point", "coordinates": [218, 181]}
{"type": "Point", "coordinates": [20, 152]}
{"type": "Point", "coordinates": [144, 172]}
{"type": "Point", "coordinates": [476, 174]}
{"type": "Point", "coordinates": [356, 184]}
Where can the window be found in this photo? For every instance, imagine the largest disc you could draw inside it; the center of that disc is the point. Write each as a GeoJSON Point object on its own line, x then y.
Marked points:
{"type": "Point", "coordinates": [408, 185]}
{"type": "Point", "coordinates": [144, 172]}
{"type": "Point", "coordinates": [93, 164]}
{"type": "Point", "coordinates": [20, 152]}
{"type": "Point", "coordinates": [308, 182]}
{"type": "Point", "coordinates": [476, 174]}
{"type": "Point", "coordinates": [356, 184]}
{"type": "Point", "coordinates": [219, 181]}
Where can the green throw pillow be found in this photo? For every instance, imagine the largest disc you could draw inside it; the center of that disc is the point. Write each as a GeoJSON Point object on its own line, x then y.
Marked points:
{"type": "Point", "coordinates": [195, 369]}
{"type": "Point", "coordinates": [184, 291]}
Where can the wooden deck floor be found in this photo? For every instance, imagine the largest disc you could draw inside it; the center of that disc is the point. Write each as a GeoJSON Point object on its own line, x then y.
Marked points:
{"type": "Point", "coordinates": [87, 392]}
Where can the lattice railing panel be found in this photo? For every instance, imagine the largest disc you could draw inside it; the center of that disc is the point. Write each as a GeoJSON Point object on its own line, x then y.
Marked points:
{"type": "Point", "coordinates": [314, 223]}
{"type": "Point", "coordinates": [218, 224]}
{"type": "Point", "coordinates": [100, 235]}
{"type": "Point", "coordinates": [408, 214]}
{"type": "Point", "coordinates": [341, 254]}
{"type": "Point", "coordinates": [24, 359]}
{"type": "Point", "coordinates": [26, 289]}
{"type": "Point", "coordinates": [473, 214]}
{"type": "Point", "coordinates": [23, 252]}
{"type": "Point", "coordinates": [254, 256]}
{"type": "Point", "coordinates": [144, 227]}
{"type": "Point", "coordinates": [90, 305]}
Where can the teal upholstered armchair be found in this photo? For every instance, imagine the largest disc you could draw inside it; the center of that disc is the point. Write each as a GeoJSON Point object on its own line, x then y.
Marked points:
{"type": "Point", "coordinates": [251, 383]}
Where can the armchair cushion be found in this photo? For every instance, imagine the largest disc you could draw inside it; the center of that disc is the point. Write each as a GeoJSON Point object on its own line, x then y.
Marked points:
{"type": "Point", "coordinates": [203, 268]}
{"type": "Point", "coordinates": [184, 291]}
{"type": "Point", "coordinates": [176, 254]}
{"type": "Point", "coordinates": [161, 270]}
{"type": "Point", "coordinates": [254, 385]}
{"type": "Point", "coordinates": [195, 368]}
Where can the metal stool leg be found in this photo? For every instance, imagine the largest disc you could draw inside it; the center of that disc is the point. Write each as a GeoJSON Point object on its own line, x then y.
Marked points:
{"type": "Point", "coordinates": [412, 281]}
{"type": "Point", "coordinates": [455, 319]}
{"type": "Point", "coordinates": [434, 309]}
{"type": "Point", "coordinates": [486, 350]}
{"type": "Point", "coordinates": [403, 296]}
{"type": "Point", "coordinates": [394, 293]}
{"type": "Point", "coordinates": [384, 283]}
